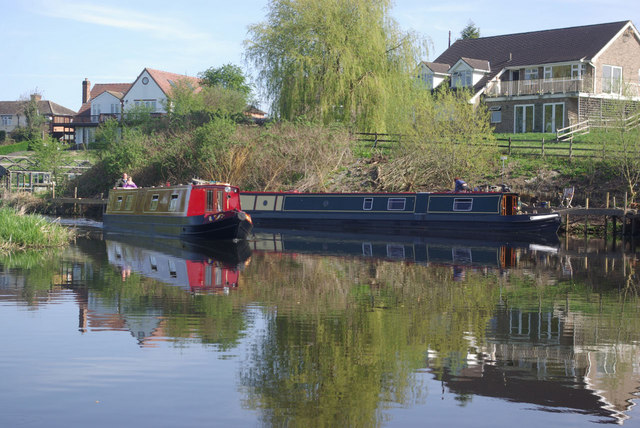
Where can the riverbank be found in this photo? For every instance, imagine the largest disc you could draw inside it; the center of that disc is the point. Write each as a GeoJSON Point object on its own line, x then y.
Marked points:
{"type": "Point", "coordinates": [20, 231]}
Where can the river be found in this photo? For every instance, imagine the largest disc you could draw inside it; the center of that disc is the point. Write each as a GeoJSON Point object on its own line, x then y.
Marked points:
{"type": "Point", "coordinates": [320, 330]}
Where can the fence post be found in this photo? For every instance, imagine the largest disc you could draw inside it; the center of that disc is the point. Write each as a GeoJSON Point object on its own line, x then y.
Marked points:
{"type": "Point", "coordinates": [375, 140]}
{"type": "Point", "coordinates": [570, 148]}
{"type": "Point", "coordinates": [509, 150]}
{"type": "Point", "coordinates": [543, 147]}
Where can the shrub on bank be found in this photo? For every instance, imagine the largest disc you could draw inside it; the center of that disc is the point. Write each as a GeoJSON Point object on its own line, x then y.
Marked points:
{"type": "Point", "coordinates": [21, 231]}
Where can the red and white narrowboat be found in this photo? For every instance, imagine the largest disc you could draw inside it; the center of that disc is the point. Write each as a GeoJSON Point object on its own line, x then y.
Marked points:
{"type": "Point", "coordinates": [202, 210]}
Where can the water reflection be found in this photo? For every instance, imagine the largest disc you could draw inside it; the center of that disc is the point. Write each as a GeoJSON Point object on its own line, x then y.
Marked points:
{"type": "Point", "coordinates": [356, 330]}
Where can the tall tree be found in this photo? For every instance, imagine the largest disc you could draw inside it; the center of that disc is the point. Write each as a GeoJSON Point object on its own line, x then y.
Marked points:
{"type": "Point", "coordinates": [229, 76]}
{"type": "Point", "coordinates": [470, 31]}
{"type": "Point", "coordinates": [335, 60]}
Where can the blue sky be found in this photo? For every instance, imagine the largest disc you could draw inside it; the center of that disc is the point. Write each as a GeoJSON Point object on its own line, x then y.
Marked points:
{"type": "Point", "coordinates": [52, 45]}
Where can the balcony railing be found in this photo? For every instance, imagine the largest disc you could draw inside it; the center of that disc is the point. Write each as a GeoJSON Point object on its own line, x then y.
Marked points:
{"type": "Point", "coordinates": [538, 87]}
{"type": "Point", "coordinates": [513, 88]}
{"type": "Point", "coordinates": [96, 118]}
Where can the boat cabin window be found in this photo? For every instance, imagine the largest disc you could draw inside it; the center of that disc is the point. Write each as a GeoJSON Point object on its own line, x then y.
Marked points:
{"type": "Point", "coordinates": [154, 263]}
{"type": "Point", "coordinates": [367, 204]}
{"type": "Point", "coordinates": [219, 200]}
{"type": "Point", "coordinates": [207, 276]}
{"type": "Point", "coordinates": [128, 202]}
{"type": "Point", "coordinates": [462, 204]}
{"type": "Point", "coordinates": [396, 204]}
{"type": "Point", "coordinates": [367, 249]}
{"type": "Point", "coordinates": [119, 203]}
{"type": "Point", "coordinates": [173, 272]}
{"type": "Point", "coordinates": [462, 255]}
{"type": "Point", "coordinates": [173, 203]}
{"type": "Point", "coordinates": [395, 251]}
{"type": "Point", "coordinates": [154, 202]}
{"type": "Point", "coordinates": [209, 200]}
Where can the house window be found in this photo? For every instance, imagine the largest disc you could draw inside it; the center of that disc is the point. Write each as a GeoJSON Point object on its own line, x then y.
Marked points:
{"type": "Point", "coordinates": [115, 108]}
{"type": "Point", "coordinates": [531, 74]}
{"type": "Point", "coordinates": [367, 205]}
{"type": "Point", "coordinates": [461, 79]}
{"type": "Point", "coordinates": [95, 109]}
{"type": "Point", "coordinates": [578, 71]}
{"type": "Point", "coordinates": [548, 72]}
{"type": "Point", "coordinates": [611, 79]}
{"type": "Point", "coordinates": [173, 203]}
{"type": "Point", "coordinates": [524, 118]}
{"type": "Point", "coordinates": [553, 116]}
{"type": "Point", "coordinates": [154, 202]}
{"type": "Point", "coordinates": [150, 104]}
{"type": "Point", "coordinates": [496, 114]}
{"type": "Point", "coordinates": [396, 204]}
{"type": "Point", "coordinates": [7, 119]}
{"type": "Point", "coordinates": [462, 204]}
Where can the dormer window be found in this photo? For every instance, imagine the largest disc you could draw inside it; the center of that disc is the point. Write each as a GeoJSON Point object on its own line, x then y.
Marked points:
{"type": "Point", "coordinates": [461, 79]}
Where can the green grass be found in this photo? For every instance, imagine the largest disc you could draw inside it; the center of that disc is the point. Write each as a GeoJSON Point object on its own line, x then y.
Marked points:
{"type": "Point", "coordinates": [12, 148]}
{"type": "Point", "coordinates": [22, 231]}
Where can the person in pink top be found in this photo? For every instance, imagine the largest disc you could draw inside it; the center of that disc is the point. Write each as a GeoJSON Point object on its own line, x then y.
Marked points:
{"type": "Point", "coordinates": [130, 184]}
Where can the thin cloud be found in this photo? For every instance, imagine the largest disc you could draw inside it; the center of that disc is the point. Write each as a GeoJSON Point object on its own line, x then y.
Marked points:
{"type": "Point", "coordinates": [126, 19]}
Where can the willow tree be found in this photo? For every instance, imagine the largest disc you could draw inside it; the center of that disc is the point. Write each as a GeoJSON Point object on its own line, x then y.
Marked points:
{"type": "Point", "coordinates": [334, 60]}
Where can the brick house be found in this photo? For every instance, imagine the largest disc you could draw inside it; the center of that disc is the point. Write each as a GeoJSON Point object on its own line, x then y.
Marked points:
{"type": "Point", "coordinates": [57, 118]}
{"type": "Point", "coordinates": [543, 81]}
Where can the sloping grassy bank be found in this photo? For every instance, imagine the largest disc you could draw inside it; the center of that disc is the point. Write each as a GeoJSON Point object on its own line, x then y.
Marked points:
{"type": "Point", "coordinates": [23, 231]}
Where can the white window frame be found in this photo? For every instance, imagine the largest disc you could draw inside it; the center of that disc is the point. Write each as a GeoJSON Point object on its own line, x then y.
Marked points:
{"type": "Point", "coordinates": [7, 119]}
{"type": "Point", "coordinates": [460, 204]}
{"type": "Point", "coordinates": [367, 204]}
{"type": "Point", "coordinates": [95, 109]}
{"type": "Point", "coordinates": [462, 78]}
{"type": "Point", "coordinates": [548, 72]}
{"type": "Point", "coordinates": [173, 202]}
{"type": "Point", "coordinates": [392, 201]}
{"type": "Point", "coordinates": [611, 82]}
{"type": "Point", "coordinates": [578, 71]}
{"type": "Point", "coordinates": [496, 114]}
{"type": "Point", "coordinates": [531, 74]}
{"type": "Point", "coordinates": [553, 115]}
{"type": "Point", "coordinates": [524, 121]}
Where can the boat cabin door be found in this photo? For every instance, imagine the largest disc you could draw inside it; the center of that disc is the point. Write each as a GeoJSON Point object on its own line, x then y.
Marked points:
{"type": "Point", "coordinates": [215, 200]}
{"type": "Point", "coordinates": [509, 205]}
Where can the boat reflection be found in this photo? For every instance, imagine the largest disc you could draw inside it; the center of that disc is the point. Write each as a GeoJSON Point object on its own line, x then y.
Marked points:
{"type": "Point", "coordinates": [436, 250]}
{"type": "Point", "coordinates": [197, 266]}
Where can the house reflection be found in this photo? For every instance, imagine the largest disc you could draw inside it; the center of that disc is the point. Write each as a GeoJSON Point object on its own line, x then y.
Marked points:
{"type": "Point", "coordinates": [540, 358]}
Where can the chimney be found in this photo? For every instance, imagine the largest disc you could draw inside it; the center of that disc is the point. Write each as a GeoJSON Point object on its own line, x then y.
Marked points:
{"type": "Point", "coordinates": [36, 97]}
{"type": "Point", "coordinates": [86, 90]}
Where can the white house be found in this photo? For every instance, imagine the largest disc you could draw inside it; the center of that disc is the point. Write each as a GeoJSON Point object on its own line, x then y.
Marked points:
{"type": "Point", "coordinates": [108, 100]}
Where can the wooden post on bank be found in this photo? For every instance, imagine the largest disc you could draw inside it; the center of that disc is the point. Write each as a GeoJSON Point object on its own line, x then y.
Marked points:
{"type": "Point", "coordinates": [75, 196]}
{"type": "Point", "coordinates": [606, 220]}
{"type": "Point", "coordinates": [624, 216]}
{"type": "Point", "coordinates": [586, 219]}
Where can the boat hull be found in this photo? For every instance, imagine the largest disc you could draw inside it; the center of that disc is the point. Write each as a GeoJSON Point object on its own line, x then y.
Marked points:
{"type": "Point", "coordinates": [233, 227]}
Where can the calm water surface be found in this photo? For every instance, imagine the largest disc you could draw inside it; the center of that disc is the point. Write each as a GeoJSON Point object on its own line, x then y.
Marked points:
{"type": "Point", "coordinates": [290, 330]}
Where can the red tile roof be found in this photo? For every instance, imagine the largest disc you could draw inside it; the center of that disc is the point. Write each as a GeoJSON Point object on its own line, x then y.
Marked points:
{"type": "Point", "coordinates": [98, 89]}
{"type": "Point", "coordinates": [166, 80]}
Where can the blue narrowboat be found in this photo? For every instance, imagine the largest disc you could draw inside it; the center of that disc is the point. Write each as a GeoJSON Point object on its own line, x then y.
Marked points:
{"type": "Point", "coordinates": [468, 213]}
{"type": "Point", "coordinates": [200, 210]}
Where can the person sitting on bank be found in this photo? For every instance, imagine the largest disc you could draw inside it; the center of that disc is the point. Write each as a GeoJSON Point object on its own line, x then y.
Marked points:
{"type": "Point", "coordinates": [460, 185]}
{"type": "Point", "coordinates": [130, 184]}
{"type": "Point", "coordinates": [122, 181]}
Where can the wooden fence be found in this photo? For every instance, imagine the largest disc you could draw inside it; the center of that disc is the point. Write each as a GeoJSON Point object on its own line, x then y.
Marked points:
{"type": "Point", "coordinates": [529, 147]}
